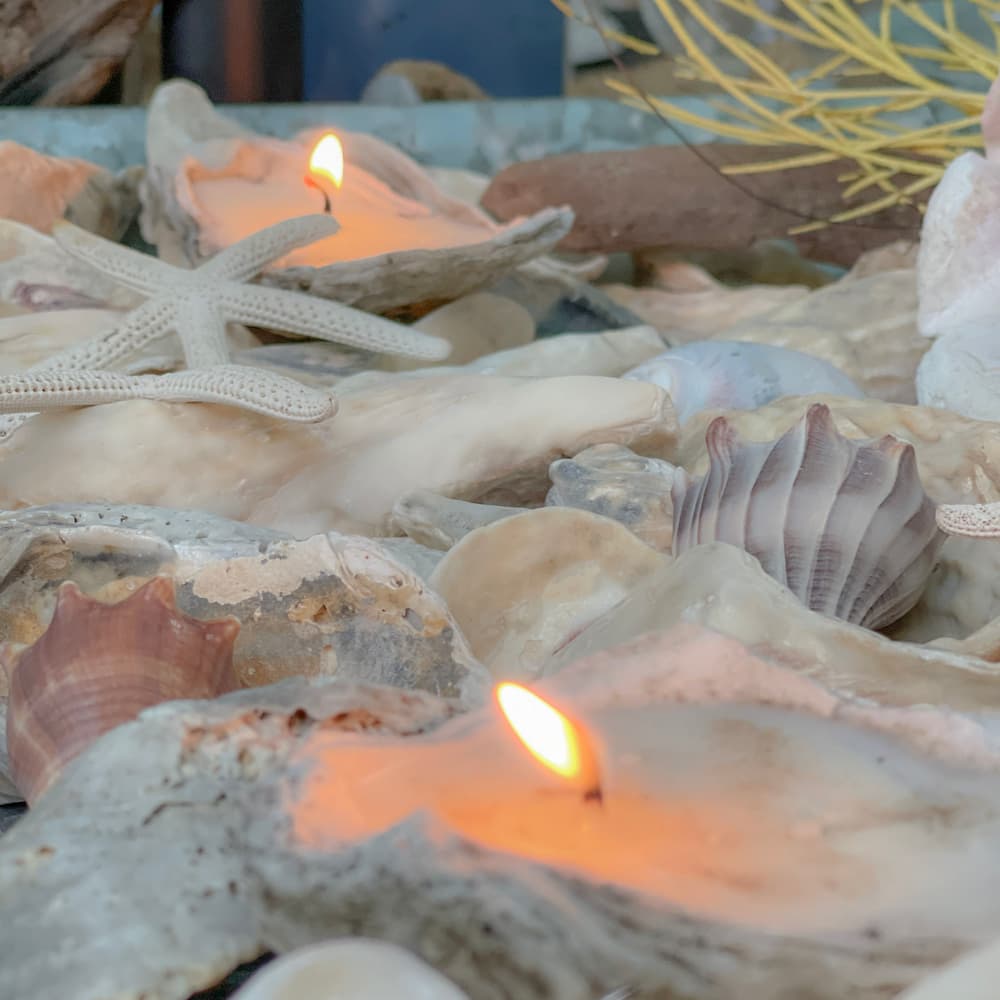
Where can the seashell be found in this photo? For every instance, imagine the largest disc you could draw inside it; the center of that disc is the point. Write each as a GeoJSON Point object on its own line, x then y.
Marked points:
{"type": "Point", "coordinates": [438, 249]}
{"type": "Point", "coordinates": [475, 325]}
{"type": "Point", "coordinates": [960, 372]}
{"type": "Point", "coordinates": [958, 266]}
{"type": "Point", "coordinates": [98, 665]}
{"type": "Point", "coordinates": [615, 482]}
{"type": "Point", "coordinates": [441, 522]}
{"type": "Point", "coordinates": [801, 845]}
{"type": "Point", "coordinates": [735, 375]}
{"type": "Point", "coordinates": [609, 353]}
{"type": "Point", "coordinates": [349, 969]}
{"type": "Point", "coordinates": [844, 524]}
{"type": "Point", "coordinates": [522, 587]}
{"type": "Point", "coordinates": [38, 188]}
{"type": "Point", "coordinates": [866, 327]}
{"type": "Point", "coordinates": [35, 272]}
{"type": "Point", "coordinates": [475, 437]}
{"type": "Point", "coordinates": [691, 302]}
{"type": "Point", "coordinates": [328, 604]}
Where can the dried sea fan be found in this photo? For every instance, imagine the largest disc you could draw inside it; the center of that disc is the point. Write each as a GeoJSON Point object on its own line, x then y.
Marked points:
{"type": "Point", "coordinates": [824, 110]}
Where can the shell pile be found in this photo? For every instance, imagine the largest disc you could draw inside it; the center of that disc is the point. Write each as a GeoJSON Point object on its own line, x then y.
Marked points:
{"type": "Point", "coordinates": [267, 555]}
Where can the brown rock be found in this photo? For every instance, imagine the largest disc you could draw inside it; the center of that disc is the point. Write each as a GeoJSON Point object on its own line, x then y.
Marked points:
{"type": "Point", "coordinates": [666, 196]}
{"type": "Point", "coordinates": [63, 52]}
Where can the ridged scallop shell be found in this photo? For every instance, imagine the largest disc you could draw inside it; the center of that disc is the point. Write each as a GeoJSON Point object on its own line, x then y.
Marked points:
{"type": "Point", "coordinates": [844, 524]}
{"type": "Point", "coordinates": [98, 665]}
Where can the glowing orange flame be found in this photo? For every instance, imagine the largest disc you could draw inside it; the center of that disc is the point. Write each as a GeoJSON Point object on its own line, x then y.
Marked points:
{"type": "Point", "coordinates": [327, 159]}
{"type": "Point", "coordinates": [552, 738]}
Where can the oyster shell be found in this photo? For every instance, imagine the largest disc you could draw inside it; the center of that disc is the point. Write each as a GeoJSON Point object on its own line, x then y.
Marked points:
{"type": "Point", "coordinates": [522, 587]}
{"type": "Point", "coordinates": [803, 845]}
{"type": "Point", "coordinates": [844, 524]}
{"type": "Point", "coordinates": [475, 437]}
{"type": "Point", "coordinates": [323, 605]}
{"type": "Point", "coordinates": [191, 150]}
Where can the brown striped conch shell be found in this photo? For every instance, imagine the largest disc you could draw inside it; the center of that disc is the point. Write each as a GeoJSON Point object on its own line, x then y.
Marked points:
{"type": "Point", "coordinates": [844, 524]}
{"type": "Point", "coordinates": [98, 665]}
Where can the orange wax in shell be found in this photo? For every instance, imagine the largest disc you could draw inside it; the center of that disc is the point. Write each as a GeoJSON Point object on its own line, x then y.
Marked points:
{"type": "Point", "coordinates": [268, 181]}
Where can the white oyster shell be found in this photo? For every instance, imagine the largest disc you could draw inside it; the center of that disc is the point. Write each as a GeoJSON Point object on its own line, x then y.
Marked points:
{"type": "Point", "coordinates": [844, 524]}
{"type": "Point", "coordinates": [189, 143]}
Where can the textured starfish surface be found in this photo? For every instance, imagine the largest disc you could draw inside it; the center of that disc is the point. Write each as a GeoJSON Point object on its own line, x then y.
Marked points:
{"type": "Point", "coordinates": [197, 304]}
{"type": "Point", "coordinates": [973, 520]}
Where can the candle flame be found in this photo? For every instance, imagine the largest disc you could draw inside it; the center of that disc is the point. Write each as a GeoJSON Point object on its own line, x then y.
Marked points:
{"type": "Point", "coordinates": [328, 159]}
{"type": "Point", "coordinates": [543, 729]}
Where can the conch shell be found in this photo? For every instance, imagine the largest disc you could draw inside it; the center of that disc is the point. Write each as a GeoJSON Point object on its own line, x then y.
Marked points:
{"type": "Point", "coordinates": [98, 665]}
{"type": "Point", "coordinates": [844, 524]}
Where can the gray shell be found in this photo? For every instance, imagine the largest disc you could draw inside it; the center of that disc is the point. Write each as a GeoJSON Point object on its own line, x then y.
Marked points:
{"type": "Point", "coordinates": [844, 524]}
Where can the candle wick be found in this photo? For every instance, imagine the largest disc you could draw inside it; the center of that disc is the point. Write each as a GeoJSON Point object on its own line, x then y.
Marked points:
{"type": "Point", "coordinates": [595, 795]}
{"type": "Point", "coordinates": [327, 207]}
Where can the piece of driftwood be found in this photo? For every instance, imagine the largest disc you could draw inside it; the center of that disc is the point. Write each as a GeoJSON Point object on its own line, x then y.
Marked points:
{"type": "Point", "coordinates": [56, 52]}
{"type": "Point", "coordinates": [668, 196]}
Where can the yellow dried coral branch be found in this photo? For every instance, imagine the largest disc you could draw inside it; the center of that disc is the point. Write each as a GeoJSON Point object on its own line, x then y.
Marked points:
{"type": "Point", "coordinates": [821, 110]}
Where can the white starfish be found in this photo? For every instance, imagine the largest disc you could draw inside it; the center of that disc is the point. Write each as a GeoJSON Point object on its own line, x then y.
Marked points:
{"type": "Point", "coordinates": [196, 305]}
{"type": "Point", "coordinates": [972, 520]}
{"type": "Point", "coordinates": [236, 385]}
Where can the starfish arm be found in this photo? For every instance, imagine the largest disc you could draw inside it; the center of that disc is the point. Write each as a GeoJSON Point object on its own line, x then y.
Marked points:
{"type": "Point", "coordinates": [250, 389]}
{"type": "Point", "coordinates": [323, 319]}
{"type": "Point", "coordinates": [202, 332]}
{"type": "Point", "coordinates": [250, 256]}
{"type": "Point", "coordinates": [233, 385]}
{"type": "Point", "coordinates": [136, 270]}
{"type": "Point", "coordinates": [153, 319]}
{"type": "Point", "coordinates": [972, 520]}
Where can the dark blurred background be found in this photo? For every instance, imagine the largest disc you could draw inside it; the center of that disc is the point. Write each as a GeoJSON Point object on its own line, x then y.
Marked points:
{"type": "Point", "coordinates": [294, 50]}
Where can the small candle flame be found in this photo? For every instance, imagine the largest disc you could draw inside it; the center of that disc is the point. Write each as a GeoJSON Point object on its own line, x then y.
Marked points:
{"type": "Point", "coordinates": [552, 738]}
{"type": "Point", "coordinates": [327, 159]}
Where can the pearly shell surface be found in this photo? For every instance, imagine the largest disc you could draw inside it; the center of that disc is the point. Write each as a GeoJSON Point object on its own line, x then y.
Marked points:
{"type": "Point", "coordinates": [844, 524]}
{"type": "Point", "coordinates": [865, 327]}
{"type": "Point", "coordinates": [98, 665]}
{"type": "Point", "coordinates": [349, 969]}
{"type": "Point", "coordinates": [734, 375]}
{"type": "Point", "coordinates": [522, 587]}
{"type": "Point", "coordinates": [501, 435]}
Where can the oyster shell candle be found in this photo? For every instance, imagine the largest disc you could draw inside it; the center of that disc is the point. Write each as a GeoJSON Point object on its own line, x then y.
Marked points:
{"type": "Point", "coordinates": [403, 240]}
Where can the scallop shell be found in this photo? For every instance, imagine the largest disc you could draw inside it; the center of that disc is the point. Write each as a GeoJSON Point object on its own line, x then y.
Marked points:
{"type": "Point", "coordinates": [737, 375]}
{"type": "Point", "coordinates": [188, 140]}
{"type": "Point", "coordinates": [98, 665]}
{"type": "Point", "coordinates": [844, 524]}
